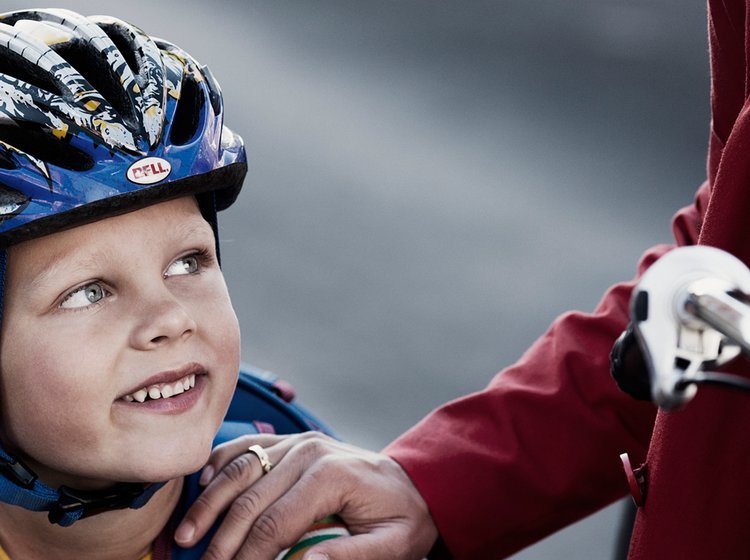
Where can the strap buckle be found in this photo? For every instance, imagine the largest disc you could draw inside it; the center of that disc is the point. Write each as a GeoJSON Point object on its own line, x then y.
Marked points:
{"type": "Point", "coordinates": [94, 501]}
{"type": "Point", "coordinates": [17, 471]}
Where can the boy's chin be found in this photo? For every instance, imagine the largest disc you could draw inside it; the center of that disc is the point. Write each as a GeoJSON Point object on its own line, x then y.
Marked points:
{"type": "Point", "coordinates": [170, 469]}
{"type": "Point", "coordinates": [170, 464]}
{"type": "Point", "coordinates": [162, 459]}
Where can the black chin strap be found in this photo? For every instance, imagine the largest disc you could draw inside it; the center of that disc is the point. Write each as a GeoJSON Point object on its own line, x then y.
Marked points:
{"type": "Point", "coordinates": [119, 496]}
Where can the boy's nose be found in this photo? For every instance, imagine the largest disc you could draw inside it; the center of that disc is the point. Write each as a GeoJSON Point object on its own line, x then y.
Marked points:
{"type": "Point", "coordinates": [162, 322]}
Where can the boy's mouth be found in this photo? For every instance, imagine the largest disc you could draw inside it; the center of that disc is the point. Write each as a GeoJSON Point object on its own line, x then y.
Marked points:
{"type": "Point", "coordinates": [162, 390]}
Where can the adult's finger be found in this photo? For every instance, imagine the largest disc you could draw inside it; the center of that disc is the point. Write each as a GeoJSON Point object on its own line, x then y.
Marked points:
{"type": "Point", "coordinates": [223, 454]}
{"type": "Point", "coordinates": [269, 513]}
{"type": "Point", "coordinates": [365, 488]}
{"type": "Point", "coordinates": [283, 523]}
{"type": "Point", "coordinates": [237, 471]}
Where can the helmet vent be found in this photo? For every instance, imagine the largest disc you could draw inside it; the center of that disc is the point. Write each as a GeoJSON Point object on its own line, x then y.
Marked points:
{"type": "Point", "coordinates": [16, 66]}
{"type": "Point", "coordinates": [6, 161]}
{"type": "Point", "coordinates": [187, 115]}
{"type": "Point", "coordinates": [93, 66]}
{"type": "Point", "coordinates": [125, 43]}
{"type": "Point", "coordinates": [45, 147]}
{"type": "Point", "coordinates": [11, 201]}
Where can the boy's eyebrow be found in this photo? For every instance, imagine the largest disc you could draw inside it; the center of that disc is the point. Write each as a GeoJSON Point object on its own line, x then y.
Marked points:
{"type": "Point", "coordinates": [50, 267]}
{"type": "Point", "coordinates": [194, 228]}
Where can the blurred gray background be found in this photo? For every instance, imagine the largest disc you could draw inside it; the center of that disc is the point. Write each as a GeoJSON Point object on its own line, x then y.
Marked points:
{"type": "Point", "coordinates": [432, 182]}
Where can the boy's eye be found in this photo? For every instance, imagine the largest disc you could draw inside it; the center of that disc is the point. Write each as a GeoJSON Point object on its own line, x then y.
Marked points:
{"type": "Point", "coordinates": [85, 295]}
{"type": "Point", "coordinates": [183, 265]}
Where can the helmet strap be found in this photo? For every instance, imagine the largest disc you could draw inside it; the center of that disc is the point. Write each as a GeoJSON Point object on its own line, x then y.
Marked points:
{"type": "Point", "coordinates": [20, 486]}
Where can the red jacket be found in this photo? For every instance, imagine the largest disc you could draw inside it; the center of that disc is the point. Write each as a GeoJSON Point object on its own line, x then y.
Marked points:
{"type": "Point", "coordinates": [538, 448]}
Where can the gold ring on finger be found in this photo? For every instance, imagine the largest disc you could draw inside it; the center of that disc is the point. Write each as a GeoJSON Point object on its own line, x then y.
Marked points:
{"type": "Point", "coordinates": [260, 453]}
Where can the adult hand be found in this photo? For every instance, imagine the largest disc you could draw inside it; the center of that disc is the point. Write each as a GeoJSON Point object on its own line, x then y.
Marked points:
{"type": "Point", "coordinates": [314, 476]}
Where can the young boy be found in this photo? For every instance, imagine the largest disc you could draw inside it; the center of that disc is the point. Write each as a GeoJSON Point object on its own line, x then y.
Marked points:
{"type": "Point", "coordinates": [119, 347]}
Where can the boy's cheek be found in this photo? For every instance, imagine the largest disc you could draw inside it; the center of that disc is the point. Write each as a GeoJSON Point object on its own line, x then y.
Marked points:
{"type": "Point", "coordinates": [227, 330]}
{"type": "Point", "coordinates": [224, 325]}
{"type": "Point", "coordinates": [225, 339]}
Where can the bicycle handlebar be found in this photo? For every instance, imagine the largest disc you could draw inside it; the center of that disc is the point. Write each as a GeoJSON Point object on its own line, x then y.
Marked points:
{"type": "Point", "coordinates": [691, 312]}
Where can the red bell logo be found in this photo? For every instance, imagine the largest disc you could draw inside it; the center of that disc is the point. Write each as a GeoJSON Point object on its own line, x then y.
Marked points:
{"type": "Point", "coordinates": [148, 171]}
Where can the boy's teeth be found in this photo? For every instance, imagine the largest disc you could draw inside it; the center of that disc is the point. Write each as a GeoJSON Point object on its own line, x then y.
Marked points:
{"type": "Point", "coordinates": [163, 391]}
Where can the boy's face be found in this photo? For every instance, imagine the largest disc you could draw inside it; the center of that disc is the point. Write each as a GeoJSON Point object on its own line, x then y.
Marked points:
{"type": "Point", "coordinates": [97, 314]}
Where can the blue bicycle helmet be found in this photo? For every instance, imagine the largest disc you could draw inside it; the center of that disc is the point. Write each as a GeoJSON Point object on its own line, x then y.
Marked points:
{"type": "Point", "coordinates": [98, 119]}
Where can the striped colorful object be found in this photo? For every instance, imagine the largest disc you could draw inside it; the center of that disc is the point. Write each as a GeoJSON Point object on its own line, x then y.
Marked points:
{"type": "Point", "coordinates": [328, 528]}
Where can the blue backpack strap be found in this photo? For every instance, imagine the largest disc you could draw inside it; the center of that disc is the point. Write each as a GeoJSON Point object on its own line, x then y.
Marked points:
{"type": "Point", "coordinates": [261, 396]}
{"type": "Point", "coordinates": [260, 399]}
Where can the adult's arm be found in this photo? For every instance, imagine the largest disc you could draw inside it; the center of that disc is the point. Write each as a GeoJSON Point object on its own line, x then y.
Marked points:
{"type": "Point", "coordinates": [539, 447]}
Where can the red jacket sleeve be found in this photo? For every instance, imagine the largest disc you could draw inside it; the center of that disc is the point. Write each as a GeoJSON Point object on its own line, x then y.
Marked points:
{"type": "Point", "coordinates": [539, 447]}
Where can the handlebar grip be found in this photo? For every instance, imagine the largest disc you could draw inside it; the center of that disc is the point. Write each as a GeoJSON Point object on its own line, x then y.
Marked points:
{"type": "Point", "coordinates": [628, 367]}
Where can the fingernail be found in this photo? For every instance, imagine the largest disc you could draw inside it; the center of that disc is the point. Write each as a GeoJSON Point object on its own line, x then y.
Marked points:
{"type": "Point", "coordinates": [206, 476]}
{"type": "Point", "coordinates": [316, 556]}
{"type": "Point", "coordinates": [184, 532]}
